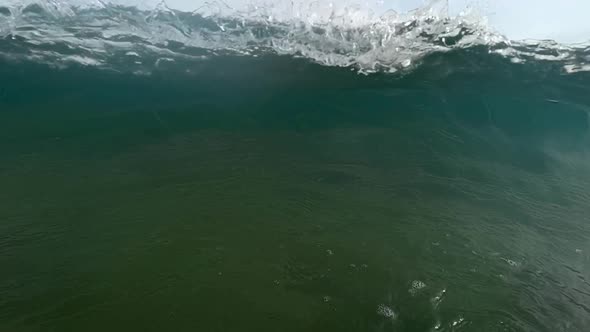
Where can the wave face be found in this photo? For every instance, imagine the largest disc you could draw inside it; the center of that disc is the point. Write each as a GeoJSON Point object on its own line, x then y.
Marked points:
{"type": "Point", "coordinates": [105, 34]}
{"type": "Point", "coordinates": [235, 170]}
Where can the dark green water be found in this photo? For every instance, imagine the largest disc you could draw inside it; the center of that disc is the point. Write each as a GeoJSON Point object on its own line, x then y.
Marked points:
{"type": "Point", "coordinates": [271, 194]}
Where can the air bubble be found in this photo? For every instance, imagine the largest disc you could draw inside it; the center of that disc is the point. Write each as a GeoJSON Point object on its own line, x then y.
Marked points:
{"type": "Point", "coordinates": [385, 311]}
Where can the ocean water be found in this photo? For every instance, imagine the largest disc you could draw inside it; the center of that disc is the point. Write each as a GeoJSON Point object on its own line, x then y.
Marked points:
{"type": "Point", "coordinates": [170, 171]}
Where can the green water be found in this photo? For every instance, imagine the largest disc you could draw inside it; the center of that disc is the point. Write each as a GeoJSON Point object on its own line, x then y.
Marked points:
{"type": "Point", "coordinates": [276, 195]}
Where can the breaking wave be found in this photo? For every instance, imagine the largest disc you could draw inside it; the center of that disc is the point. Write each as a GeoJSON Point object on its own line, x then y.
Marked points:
{"type": "Point", "coordinates": [140, 37]}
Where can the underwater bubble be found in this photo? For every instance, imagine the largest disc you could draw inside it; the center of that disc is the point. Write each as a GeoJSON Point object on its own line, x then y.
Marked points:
{"type": "Point", "coordinates": [385, 311]}
{"type": "Point", "coordinates": [417, 285]}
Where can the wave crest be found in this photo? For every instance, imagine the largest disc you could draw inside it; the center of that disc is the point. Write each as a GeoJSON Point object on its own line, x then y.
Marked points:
{"type": "Point", "coordinates": [346, 35]}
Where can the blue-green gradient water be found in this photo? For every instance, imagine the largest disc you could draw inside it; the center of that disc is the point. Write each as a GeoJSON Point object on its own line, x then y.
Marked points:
{"type": "Point", "coordinates": [271, 193]}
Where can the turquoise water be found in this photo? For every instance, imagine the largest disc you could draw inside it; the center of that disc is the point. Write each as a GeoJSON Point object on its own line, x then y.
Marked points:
{"type": "Point", "coordinates": [270, 193]}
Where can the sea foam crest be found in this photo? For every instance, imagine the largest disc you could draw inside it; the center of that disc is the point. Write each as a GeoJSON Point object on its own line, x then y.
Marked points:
{"type": "Point", "coordinates": [343, 34]}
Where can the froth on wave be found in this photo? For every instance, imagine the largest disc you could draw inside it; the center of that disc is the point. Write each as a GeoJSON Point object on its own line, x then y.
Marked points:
{"type": "Point", "coordinates": [97, 33]}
